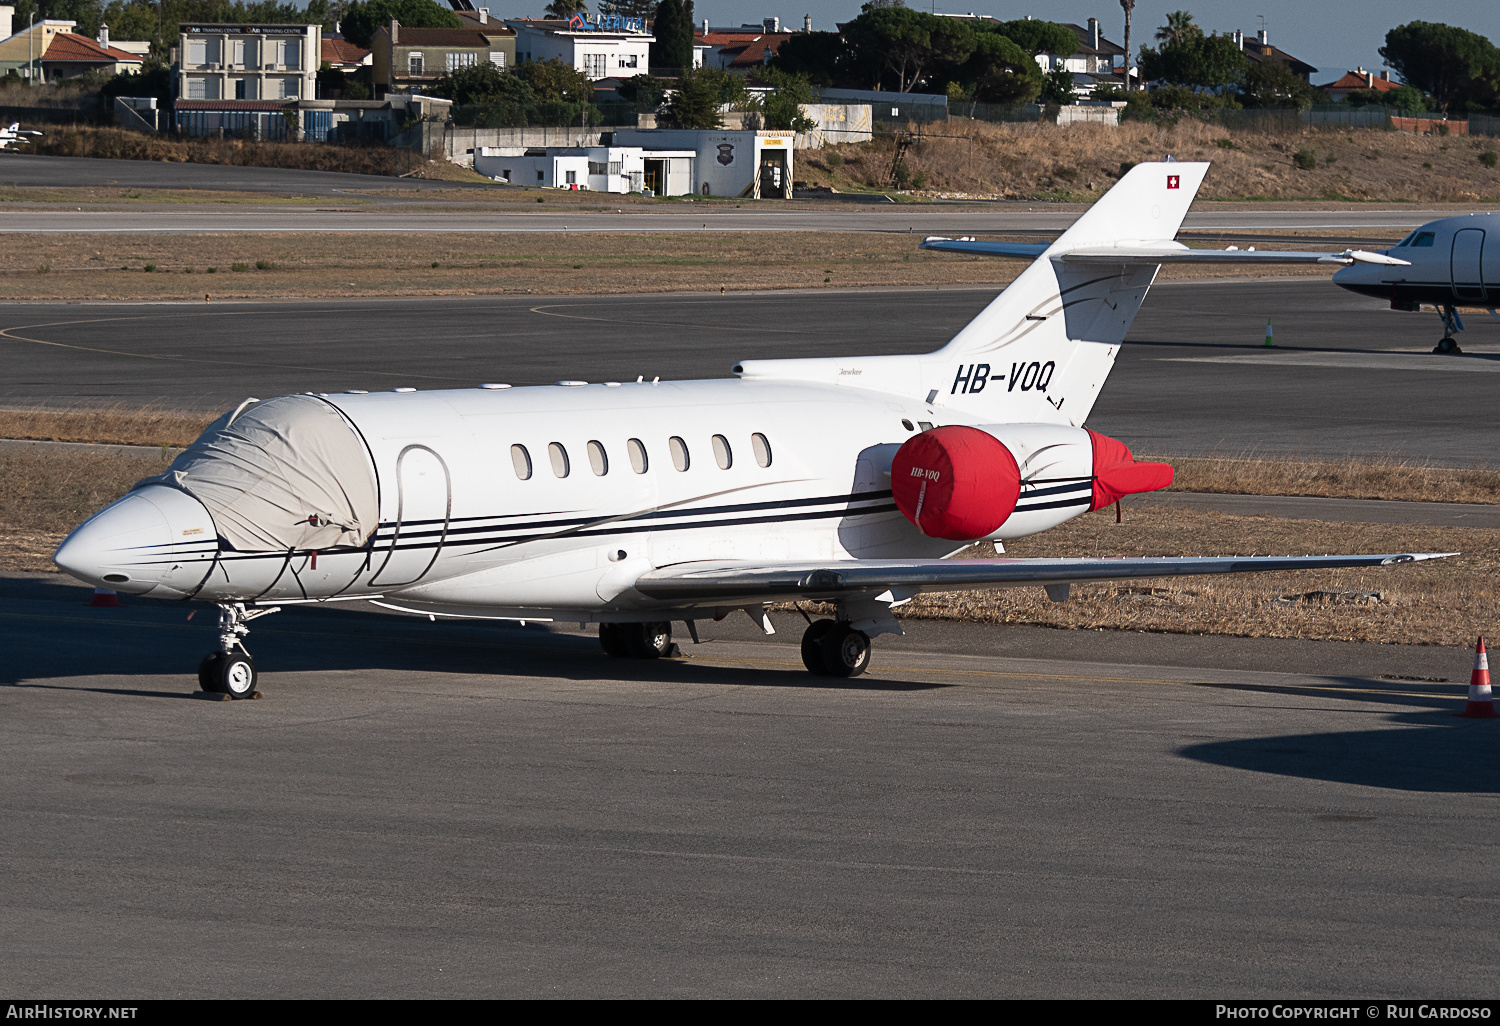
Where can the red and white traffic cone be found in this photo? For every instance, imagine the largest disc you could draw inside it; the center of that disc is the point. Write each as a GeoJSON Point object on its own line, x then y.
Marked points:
{"type": "Point", "coordinates": [1481, 704]}
{"type": "Point", "coordinates": [109, 600]}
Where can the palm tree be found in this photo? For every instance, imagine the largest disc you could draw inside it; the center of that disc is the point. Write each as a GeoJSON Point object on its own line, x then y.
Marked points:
{"type": "Point", "coordinates": [566, 8]}
{"type": "Point", "coordinates": [1178, 29]}
{"type": "Point", "coordinates": [1129, 6]}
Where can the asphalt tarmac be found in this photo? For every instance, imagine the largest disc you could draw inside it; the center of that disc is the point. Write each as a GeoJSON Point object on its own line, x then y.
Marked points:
{"type": "Point", "coordinates": [455, 810]}
{"type": "Point", "coordinates": [1347, 376]}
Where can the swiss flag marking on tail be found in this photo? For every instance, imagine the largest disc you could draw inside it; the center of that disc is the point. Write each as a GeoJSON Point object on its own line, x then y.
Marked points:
{"type": "Point", "coordinates": [1173, 180]}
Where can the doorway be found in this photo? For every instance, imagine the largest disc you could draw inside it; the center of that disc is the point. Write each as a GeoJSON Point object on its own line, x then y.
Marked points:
{"type": "Point", "coordinates": [424, 504]}
{"type": "Point", "coordinates": [775, 181]}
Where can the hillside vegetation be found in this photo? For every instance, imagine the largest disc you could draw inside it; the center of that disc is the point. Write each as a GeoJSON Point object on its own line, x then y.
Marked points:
{"type": "Point", "coordinates": [961, 158]}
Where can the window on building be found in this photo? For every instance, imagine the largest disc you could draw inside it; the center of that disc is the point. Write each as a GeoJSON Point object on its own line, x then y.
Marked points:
{"type": "Point", "coordinates": [237, 52]}
{"type": "Point", "coordinates": [414, 64]}
{"type": "Point", "coordinates": [239, 89]}
{"type": "Point", "coordinates": [593, 65]}
{"type": "Point", "coordinates": [679, 450]}
{"type": "Point", "coordinates": [540, 177]}
{"type": "Point", "coordinates": [289, 54]}
{"type": "Point", "coordinates": [290, 88]}
{"type": "Point", "coordinates": [629, 60]}
{"type": "Point", "coordinates": [598, 459]}
{"type": "Point", "coordinates": [197, 51]}
{"type": "Point", "coordinates": [497, 58]}
{"type": "Point", "coordinates": [761, 448]}
{"type": "Point", "coordinates": [458, 59]}
{"type": "Point", "coordinates": [559, 457]}
{"type": "Point", "coordinates": [572, 178]}
{"type": "Point", "coordinates": [598, 167]}
{"type": "Point", "coordinates": [521, 460]}
{"type": "Point", "coordinates": [722, 456]}
{"type": "Point", "coordinates": [197, 88]}
{"type": "Point", "coordinates": [638, 461]}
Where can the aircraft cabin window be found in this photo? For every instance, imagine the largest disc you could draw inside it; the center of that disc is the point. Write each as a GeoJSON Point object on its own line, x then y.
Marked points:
{"type": "Point", "coordinates": [559, 457]}
{"type": "Point", "coordinates": [761, 448]}
{"type": "Point", "coordinates": [638, 461]}
{"type": "Point", "coordinates": [679, 451]}
{"type": "Point", "coordinates": [521, 460]}
{"type": "Point", "coordinates": [1424, 239]}
{"type": "Point", "coordinates": [908, 425]}
{"type": "Point", "coordinates": [598, 459]}
{"type": "Point", "coordinates": [722, 456]}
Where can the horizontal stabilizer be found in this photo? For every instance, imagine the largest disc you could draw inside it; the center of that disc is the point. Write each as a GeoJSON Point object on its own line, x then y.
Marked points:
{"type": "Point", "coordinates": [1026, 250]}
{"type": "Point", "coordinates": [717, 581]}
{"type": "Point", "coordinates": [1178, 254]}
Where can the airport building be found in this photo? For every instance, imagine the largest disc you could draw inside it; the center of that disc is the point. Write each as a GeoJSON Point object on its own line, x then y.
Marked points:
{"type": "Point", "coordinates": [617, 169]}
{"type": "Point", "coordinates": [603, 47]}
{"type": "Point", "coordinates": [248, 62]}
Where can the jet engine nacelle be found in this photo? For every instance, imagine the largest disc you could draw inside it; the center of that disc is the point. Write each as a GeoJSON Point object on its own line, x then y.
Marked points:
{"type": "Point", "coordinates": [1010, 480]}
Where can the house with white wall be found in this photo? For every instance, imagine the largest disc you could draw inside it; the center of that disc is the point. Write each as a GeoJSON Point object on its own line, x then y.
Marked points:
{"type": "Point", "coordinates": [600, 48]}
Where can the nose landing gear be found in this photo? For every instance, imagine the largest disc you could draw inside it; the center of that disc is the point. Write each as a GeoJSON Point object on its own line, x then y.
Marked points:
{"type": "Point", "coordinates": [230, 671]}
{"type": "Point", "coordinates": [1452, 323]}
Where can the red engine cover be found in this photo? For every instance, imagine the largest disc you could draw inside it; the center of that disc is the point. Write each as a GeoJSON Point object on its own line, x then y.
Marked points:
{"type": "Point", "coordinates": [1116, 473]}
{"type": "Point", "coordinates": [955, 482]}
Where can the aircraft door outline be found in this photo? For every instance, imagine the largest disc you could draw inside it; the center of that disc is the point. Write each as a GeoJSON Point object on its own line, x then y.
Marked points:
{"type": "Point", "coordinates": [401, 510]}
{"type": "Point", "coordinates": [1466, 263]}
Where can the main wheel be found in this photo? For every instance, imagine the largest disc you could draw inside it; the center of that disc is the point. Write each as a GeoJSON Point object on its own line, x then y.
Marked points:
{"type": "Point", "coordinates": [236, 675]}
{"type": "Point", "coordinates": [612, 640]}
{"type": "Point", "coordinates": [647, 640]}
{"type": "Point", "coordinates": [845, 651]}
{"type": "Point", "coordinates": [812, 654]}
{"type": "Point", "coordinates": [208, 672]}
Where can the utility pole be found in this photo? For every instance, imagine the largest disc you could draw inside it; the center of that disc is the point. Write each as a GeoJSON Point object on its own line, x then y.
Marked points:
{"type": "Point", "coordinates": [31, 51]}
{"type": "Point", "coordinates": [1129, 6]}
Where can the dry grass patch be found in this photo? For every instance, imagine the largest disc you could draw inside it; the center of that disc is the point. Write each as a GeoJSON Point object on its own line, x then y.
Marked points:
{"type": "Point", "coordinates": [1080, 162]}
{"type": "Point", "coordinates": [118, 144]}
{"type": "Point", "coordinates": [1342, 479]}
{"type": "Point", "coordinates": [116, 425]}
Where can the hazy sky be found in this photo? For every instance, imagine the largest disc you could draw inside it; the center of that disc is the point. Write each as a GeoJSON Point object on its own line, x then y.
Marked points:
{"type": "Point", "coordinates": [1333, 36]}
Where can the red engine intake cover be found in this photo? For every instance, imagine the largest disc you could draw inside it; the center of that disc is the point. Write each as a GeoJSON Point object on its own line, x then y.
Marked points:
{"type": "Point", "coordinates": [1116, 473]}
{"type": "Point", "coordinates": [955, 482]}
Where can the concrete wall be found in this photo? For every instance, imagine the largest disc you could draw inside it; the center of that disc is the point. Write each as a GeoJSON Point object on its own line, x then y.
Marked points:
{"type": "Point", "coordinates": [460, 144]}
{"type": "Point", "coordinates": [836, 123]}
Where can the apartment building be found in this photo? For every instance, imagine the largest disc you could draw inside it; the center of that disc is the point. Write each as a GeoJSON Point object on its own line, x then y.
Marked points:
{"type": "Point", "coordinates": [248, 62]}
{"type": "Point", "coordinates": [409, 60]}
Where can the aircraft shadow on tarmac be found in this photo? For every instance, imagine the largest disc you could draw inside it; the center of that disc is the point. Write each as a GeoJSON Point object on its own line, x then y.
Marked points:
{"type": "Point", "coordinates": [1252, 347]}
{"type": "Point", "coordinates": [1435, 751]}
{"type": "Point", "coordinates": [55, 636]}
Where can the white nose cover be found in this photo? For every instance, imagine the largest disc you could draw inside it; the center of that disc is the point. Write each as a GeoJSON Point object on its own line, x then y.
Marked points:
{"type": "Point", "coordinates": [156, 540]}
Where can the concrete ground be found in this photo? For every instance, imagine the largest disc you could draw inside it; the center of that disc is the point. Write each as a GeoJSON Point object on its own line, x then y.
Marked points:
{"type": "Point", "coordinates": [1347, 376]}
{"type": "Point", "coordinates": [420, 810]}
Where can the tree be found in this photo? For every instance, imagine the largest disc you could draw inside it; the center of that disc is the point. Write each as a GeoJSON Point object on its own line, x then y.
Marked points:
{"type": "Point", "coordinates": [1178, 29]}
{"type": "Point", "coordinates": [1058, 87]}
{"type": "Point", "coordinates": [999, 71]}
{"type": "Point", "coordinates": [1038, 37]}
{"type": "Point", "coordinates": [820, 57]}
{"type": "Point", "coordinates": [645, 9]}
{"type": "Point", "coordinates": [782, 109]}
{"type": "Point", "coordinates": [695, 103]}
{"type": "Point", "coordinates": [565, 9]}
{"type": "Point", "coordinates": [643, 91]}
{"type": "Point", "coordinates": [554, 82]}
{"type": "Point", "coordinates": [673, 30]}
{"type": "Point", "coordinates": [1129, 7]}
{"type": "Point", "coordinates": [1439, 59]}
{"type": "Point", "coordinates": [364, 17]}
{"type": "Point", "coordinates": [1273, 84]}
{"type": "Point", "coordinates": [906, 42]}
{"type": "Point", "coordinates": [1205, 62]}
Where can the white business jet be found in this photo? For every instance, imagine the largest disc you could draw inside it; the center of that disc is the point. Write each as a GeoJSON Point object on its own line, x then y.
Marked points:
{"type": "Point", "coordinates": [637, 504]}
{"type": "Point", "coordinates": [1446, 264]}
{"type": "Point", "coordinates": [15, 135]}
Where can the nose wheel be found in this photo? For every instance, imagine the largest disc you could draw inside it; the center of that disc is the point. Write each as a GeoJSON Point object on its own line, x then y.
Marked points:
{"type": "Point", "coordinates": [1452, 324]}
{"type": "Point", "coordinates": [834, 649]}
{"type": "Point", "coordinates": [230, 671]}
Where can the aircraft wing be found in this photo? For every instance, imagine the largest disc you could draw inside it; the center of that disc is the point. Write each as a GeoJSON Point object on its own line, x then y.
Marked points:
{"type": "Point", "coordinates": [742, 580]}
{"type": "Point", "coordinates": [1160, 253]}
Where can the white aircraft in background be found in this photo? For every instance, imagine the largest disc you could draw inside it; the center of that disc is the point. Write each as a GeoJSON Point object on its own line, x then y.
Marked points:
{"type": "Point", "coordinates": [15, 134]}
{"type": "Point", "coordinates": [1448, 263]}
{"type": "Point", "coordinates": [633, 505]}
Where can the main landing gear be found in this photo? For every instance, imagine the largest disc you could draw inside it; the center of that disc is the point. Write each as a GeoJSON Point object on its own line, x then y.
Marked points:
{"type": "Point", "coordinates": [1452, 324]}
{"type": "Point", "coordinates": [638, 640]}
{"type": "Point", "coordinates": [230, 671]}
{"type": "Point", "coordinates": [831, 648]}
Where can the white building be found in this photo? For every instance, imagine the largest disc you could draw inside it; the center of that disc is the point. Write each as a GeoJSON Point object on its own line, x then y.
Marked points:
{"type": "Point", "coordinates": [618, 169]}
{"type": "Point", "coordinates": [248, 62]}
{"type": "Point", "coordinates": [602, 48]}
{"type": "Point", "coordinates": [757, 165]}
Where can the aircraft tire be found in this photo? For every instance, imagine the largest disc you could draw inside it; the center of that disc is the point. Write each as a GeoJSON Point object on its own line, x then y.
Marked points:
{"type": "Point", "coordinates": [845, 651]}
{"type": "Point", "coordinates": [236, 675]}
{"type": "Point", "coordinates": [647, 640]}
{"type": "Point", "coordinates": [612, 640]}
{"type": "Point", "coordinates": [1448, 347]}
{"type": "Point", "coordinates": [208, 673]}
{"type": "Point", "coordinates": [812, 654]}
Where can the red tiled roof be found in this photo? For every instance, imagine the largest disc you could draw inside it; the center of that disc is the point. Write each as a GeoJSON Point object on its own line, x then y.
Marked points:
{"type": "Point", "coordinates": [341, 51]}
{"type": "Point", "coordinates": [66, 46]}
{"type": "Point", "coordinates": [749, 48]}
{"type": "Point", "coordinates": [1355, 80]}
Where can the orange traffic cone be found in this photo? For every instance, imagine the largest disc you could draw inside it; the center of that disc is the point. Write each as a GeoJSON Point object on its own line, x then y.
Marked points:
{"type": "Point", "coordinates": [106, 598]}
{"type": "Point", "coordinates": [1481, 705]}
